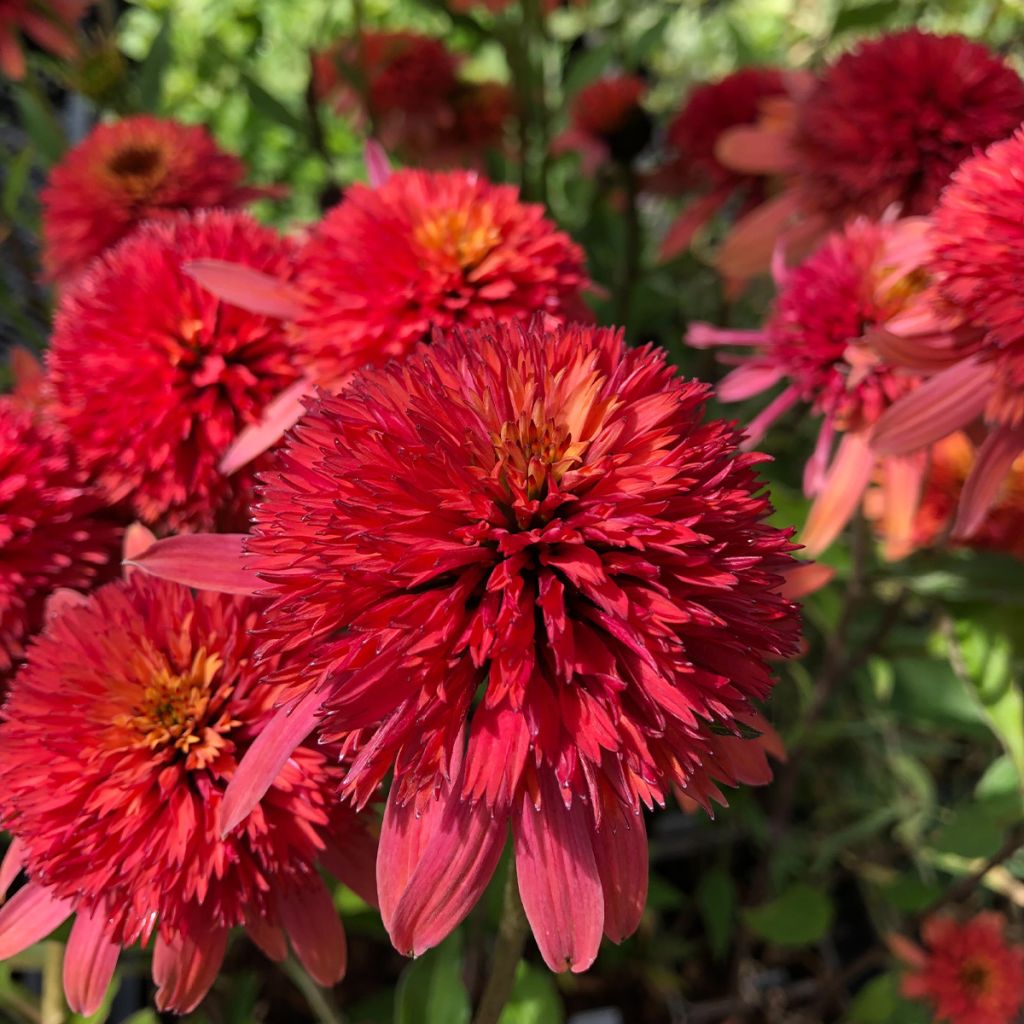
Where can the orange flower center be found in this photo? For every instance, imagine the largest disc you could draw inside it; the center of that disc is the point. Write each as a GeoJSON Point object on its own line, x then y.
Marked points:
{"type": "Point", "coordinates": [464, 236]}
{"type": "Point", "coordinates": [138, 168]}
{"type": "Point", "coordinates": [976, 977]}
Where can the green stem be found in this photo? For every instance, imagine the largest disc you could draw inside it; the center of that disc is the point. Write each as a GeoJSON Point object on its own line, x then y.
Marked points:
{"type": "Point", "coordinates": [320, 1000]}
{"type": "Point", "coordinates": [508, 951]}
{"type": "Point", "coordinates": [632, 248]}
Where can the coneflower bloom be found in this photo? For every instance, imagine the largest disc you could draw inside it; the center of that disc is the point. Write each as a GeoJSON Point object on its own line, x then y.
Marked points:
{"type": "Point", "coordinates": [113, 794]}
{"type": "Point", "coordinates": [967, 330]}
{"type": "Point", "coordinates": [49, 23]}
{"type": "Point", "coordinates": [153, 376]}
{"type": "Point", "coordinates": [967, 973]}
{"type": "Point", "coordinates": [123, 173]}
{"type": "Point", "coordinates": [52, 529]}
{"type": "Point", "coordinates": [887, 123]}
{"type": "Point", "coordinates": [542, 591]}
{"type": "Point", "coordinates": [818, 343]}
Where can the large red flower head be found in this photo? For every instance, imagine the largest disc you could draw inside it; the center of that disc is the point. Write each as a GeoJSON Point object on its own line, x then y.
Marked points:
{"type": "Point", "coordinates": [49, 23]}
{"type": "Point", "coordinates": [541, 590]}
{"type": "Point", "coordinates": [126, 172]}
{"type": "Point", "coordinates": [967, 973]}
{"type": "Point", "coordinates": [426, 250]}
{"type": "Point", "coordinates": [113, 794]}
{"type": "Point", "coordinates": [52, 533]}
{"type": "Point", "coordinates": [154, 377]}
{"type": "Point", "coordinates": [891, 121]}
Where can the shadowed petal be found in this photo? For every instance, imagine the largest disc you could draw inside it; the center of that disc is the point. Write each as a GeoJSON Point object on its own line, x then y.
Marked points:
{"type": "Point", "coordinates": [988, 473]}
{"type": "Point", "coordinates": [89, 962]}
{"type": "Point", "coordinates": [378, 166]}
{"type": "Point", "coordinates": [747, 249]}
{"type": "Point", "coordinates": [693, 216]}
{"type": "Point", "coordinates": [758, 426]}
{"type": "Point", "coordinates": [620, 850]}
{"type": "Point", "coordinates": [902, 481]}
{"type": "Point", "coordinates": [11, 866]}
{"type": "Point", "coordinates": [315, 932]}
{"type": "Point", "coordinates": [753, 149]}
{"type": "Point", "coordinates": [353, 861]}
{"type": "Point", "coordinates": [840, 494]}
{"type": "Point", "coordinates": [805, 578]}
{"type": "Point", "coordinates": [60, 601]}
{"type": "Point", "coordinates": [246, 288]}
{"type": "Point", "coordinates": [270, 939]}
{"type": "Point", "coordinates": [205, 561]}
{"type": "Point", "coordinates": [283, 412]}
{"type": "Point", "coordinates": [185, 969]}
{"type": "Point", "coordinates": [28, 916]}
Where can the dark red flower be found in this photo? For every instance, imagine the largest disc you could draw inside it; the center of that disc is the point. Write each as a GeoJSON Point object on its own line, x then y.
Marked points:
{"type": "Point", "coordinates": [49, 23]}
{"type": "Point", "coordinates": [607, 121]}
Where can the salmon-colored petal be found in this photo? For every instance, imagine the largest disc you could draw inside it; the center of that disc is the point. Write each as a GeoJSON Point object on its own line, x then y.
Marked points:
{"type": "Point", "coordinates": [906, 951]}
{"type": "Point", "coordinates": [703, 335]}
{"type": "Point", "coordinates": [902, 483]}
{"type": "Point", "coordinates": [60, 601]}
{"type": "Point", "coordinates": [353, 861]}
{"type": "Point", "coordinates": [942, 404]}
{"type": "Point", "coordinates": [378, 166]}
{"type": "Point", "coordinates": [769, 739]}
{"type": "Point", "coordinates": [928, 353]}
{"type": "Point", "coordinates": [991, 466]}
{"type": "Point", "coordinates": [185, 969]}
{"type": "Point", "coordinates": [841, 493]}
{"type": "Point", "coordinates": [804, 579]}
{"type": "Point", "coordinates": [278, 416]}
{"type": "Point", "coordinates": [746, 381]}
{"type": "Point", "coordinates": [759, 425]}
{"type": "Point", "coordinates": [558, 877]}
{"type": "Point", "coordinates": [137, 539]}
{"type": "Point", "coordinates": [690, 220]}
{"type": "Point", "coordinates": [747, 249]}
{"type": "Point", "coordinates": [27, 374]}
{"type": "Point", "coordinates": [12, 59]}
{"type": "Point", "coordinates": [816, 467]}
{"type": "Point", "coordinates": [315, 931]}
{"type": "Point", "coordinates": [49, 35]}
{"type": "Point", "coordinates": [247, 288]}
{"type": "Point", "coordinates": [29, 916]}
{"type": "Point", "coordinates": [10, 867]}
{"type": "Point", "coordinates": [620, 851]}
{"type": "Point", "coordinates": [89, 962]}
{"type": "Point", "coordinates": [270, 939]}
{"type": "Point", "coordinates": [263, 761]}
{"type": "Point", "coordinates": [205, 561]}
{"type": "Point", "coordinates": [755, 149]}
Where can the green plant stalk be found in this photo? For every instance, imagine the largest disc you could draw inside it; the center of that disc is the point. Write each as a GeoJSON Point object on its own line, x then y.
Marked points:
{"type": "Point", "coordinates": [319, 1000]}
{"type": "Point", "coordinates": [508, 951]}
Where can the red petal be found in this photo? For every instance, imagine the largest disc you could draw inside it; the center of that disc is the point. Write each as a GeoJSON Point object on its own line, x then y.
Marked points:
{"type": "Point", "coordinates": [11, 867]}
{"type": "Point", "coordinates": [747, 249]}
{"type": "Point", "coordinates": [558, 877]}
{"type": "Point", "coordinates": [703, 335]}
{"type": "Point", "coordinates": [89, 962]}
{"type": "Point", "coordinates": [280, 414]}
{"type": "Point", "coordinates": [778, 406]}
{"type": "Point", "coordinates": [902, 480]}
{"type": "Point", "coordinates": [804, 579]}
{"type": "Point", "coordinates": [315, 932]}
{"type": "Point", "coordinates": [378, 166]}
{"type": "Point", "coordinates": [269, 938]}
{"type": "Point", "coordinates": [60, 601]}
{"type": "Point", "coordinates": [991, 466]}
{"type": "Point", "coordinates": [752, 149]}
{"type": "Point", "coordinates": [693, 216]}
{"type": "Point", "coordinates": [840, 494]}
{"type": "Point", "coordinates": [27, 374]}
{"type": "Point", "coordinates": [205, 561]}
{"type": "Point", "coordinates": [28, 916]}
{"type": "Point", "coordinates": [621, 856]}
{"type": "Point", "coordinates": [185, 969]}
{"type": "Point", "coordinates": [247, 288]}
{"type": "Point", "coordinates": [352, 859]}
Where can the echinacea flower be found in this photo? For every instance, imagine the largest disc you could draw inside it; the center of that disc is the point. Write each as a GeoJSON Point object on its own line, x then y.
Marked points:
{"type": "Point", "coordinates": [53, 532]}
{"type": "Point", "coordinates": [113, 793]}
{"type": "Point", "coordinates": [967, 330]}
{"type": "Point", "coordinates": [126, 172]}
{"type": "Point", "coordinates": [49, 23]}
{"type": "Point", "coordinates": [967, 973]}
{"type": "Point", "coordinates": [886, 124]}
{"type": "Point", "coordinates": [818, 343]}
{"type": "Point", "coordinates": [541, 590]}
{"type": "Point", "coordinates": [153, 376]}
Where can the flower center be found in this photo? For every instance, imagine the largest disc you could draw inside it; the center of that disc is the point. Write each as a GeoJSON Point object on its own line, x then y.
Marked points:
{"type": "Point", "coordinates": [138, 169]}
{"type": "Point", "coordinates": [465, 236]}
{"type": "Point", "coordinates": [976, 977]}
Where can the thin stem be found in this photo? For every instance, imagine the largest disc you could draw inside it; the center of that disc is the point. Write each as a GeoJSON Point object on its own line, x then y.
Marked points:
{"type": "Point", "coordinates": [51, 1005]}
{"type": "Point", "coordinates": [508, 951]}
{"type": "Point", "coordinates": [320, 1000]}
{"type": "Point", "coordinates": [633, 245]}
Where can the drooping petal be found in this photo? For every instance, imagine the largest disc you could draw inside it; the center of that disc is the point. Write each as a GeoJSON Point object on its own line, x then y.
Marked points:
{"type": "Point", "coordinates": [89, 962]}
{"type": "Point", "coordinates": [12, 59]}
{"type": "Point", "coordinates": [841, 493]}
{"type": "Point", "coordinates": [137, 540]}
{"type": "Point", "coordinates": [759, 425]}
{"type": "Point", "coordinates": [991, 466]}
{"type": "Point", "coordinates": [902, 481]}
{"type": "Point", "coordinates": [690, 220]}
{"type": "Point", "coordinates": [754, 149]}
{"type": "Point", "coordinates": [746, 381]}
{"type": "Point", "coordinates": [378, 166]}
{"type": "Point", "coordinates": [353, 862]}
{"type": "Point", "coordinates": [205, 561]}
{"type": "Point", "coordinates": [703, 335]}
{"type": "Point", "coordinates": [185, 969]}
{"type": "Point", "coordinates": [620, 850]}
{"type": "Point", "coordinates": [804, 579]}
{"type": "Point", "coordinates": [558, 877]}
{"type": "Point", "coordinates": [315, 931]}
{"type": "Point", "coordinates": [944, 403]}
{"type": "Point", "coordinates": [278, 416]}
{"type": "Point", "coordinates": [816, 468]}
{"type": "Point", "coordinates": [247, 288]}
{"type": "Point", "coordinates": [270, 939]}
{"type": "Point", "coordinates": [264, 760]}
{"type": "Point", "coordinates": [10, 868]}
{"type": "Point", "coordinates": [747, 250]}
{"type": "Point", "coordinates": [28, 916]}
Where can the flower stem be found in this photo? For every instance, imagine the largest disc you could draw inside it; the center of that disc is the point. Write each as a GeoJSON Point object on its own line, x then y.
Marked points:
{"type": "Point", "coordinates": [319, 1000]}
{"type": "Point", "coordinates": [508, 950]}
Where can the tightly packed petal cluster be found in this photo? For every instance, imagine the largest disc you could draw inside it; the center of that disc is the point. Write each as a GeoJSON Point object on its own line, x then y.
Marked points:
{"type": "Point", "coordinates": [543, 591]}
{"type": "Point", "coordinates": [153, 376]}
{"type": "Point", "coordinates": [968, 972]}
{"type": "Point", "coordinates": [50, 23]}
{"type": "Point", "coordinates": [112, 795]}
{"type": "Point", "coordinates": [52, 531]}
{"type": "Point", "coordinates": [123, 173]}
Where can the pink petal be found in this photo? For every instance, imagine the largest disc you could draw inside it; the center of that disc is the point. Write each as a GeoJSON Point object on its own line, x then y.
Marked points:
{"type": "Point", "coordinates": [746, 381]}
{"type": "Point", "coordinates": [817, 465]}
{"type": "Point", "coordinates": [804, 579]}
{"type": "Point", "coordinates": [753, 149]}
{"type": "Point", "coordinates": [378, 166]}
{"type": "Point", "coordinates": [137, 539]}
{"type": "Point", "coordinates": [28, 916]}
{"type": "Point", "coordinates": [352, 860]}
{"type": "Point", "coordinates": [840, 494]}
{"type": "Point", "coordinates": [704, 335]}
{"type": "Point", "coordinates": [205, 561]}
{"type": "Point", "coordinates": [758, 426]}
{"type": "Point", "coordinates": [60, 601]}
{"type": "Point", "coordinates": [264, 760]}
{"type": "Point", "coordinates": [992, 465]}
{"type": "Point", "coordinates": [908, 952]}
{"type": "Point", "coordinates": [913, 352]}
{"type": "Point", "coordinates": [268, 937]}
{"type": "Point", "coordinates": [13, 862]}
{"type": "Point", "coordinates": [89, 962]}
{"type": "Point", "coordinates": [280, 414]}
{"type": "Point", "coordinates": [902, 481]}
{"type": "Point", "coordinates": [185, 969]}
{"type": "Point", "coordinates": [558, 877]}
{"type": "Point", "coordinates": [942, 404]}
{"type": "Point", "coordinates": [315, 931]}
{"type": "Point", "coordinates": [620, 850]}
{"type": "Point", "coordinates": [247, 288]}
{"type": "Point", "coordinates": [747, 249]}
{"type": "Point", "coordinates": [690, 220]}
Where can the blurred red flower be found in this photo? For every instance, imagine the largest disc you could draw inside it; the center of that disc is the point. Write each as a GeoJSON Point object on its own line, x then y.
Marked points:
{"type": "Point", "coordinates": [153, 376]}
{"type": "Point", "coordinates": [607, 122]}
{"type": "Point", "coordinates": [113, 795]}
{"type": "Point", "coordinates": [123, 173]}
{"type": "Point", "coordinates": [49, 23]}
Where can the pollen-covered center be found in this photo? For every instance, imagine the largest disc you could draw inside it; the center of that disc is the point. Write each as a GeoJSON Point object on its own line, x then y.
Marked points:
{"type": "Point", "coordinates": [183, 712]}
{"type": "Point", "coordinates": [976, 977]}
{"type": "Point", "coordinates": [532, 451]}
{"type": "Point", "coordinates": [465, 236]}
{"type": "Point", "coordinates": [138, 168]}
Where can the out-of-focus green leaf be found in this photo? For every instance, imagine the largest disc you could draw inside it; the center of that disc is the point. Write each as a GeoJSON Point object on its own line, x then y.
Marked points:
{"type": "Point", "coordinates": [971, 831]}
{"type": "Point", "coordinates": [431, 991]}
{"type": "Point", "coordinates": [879, 1002]}
{"type": "Point", "coordinates": [534, 999]}
{"type": "Point", "coordinates": [268, 106]}
{"type": "Point", "coordinates": [869, 15]}
{"type": "Point", "coordinates": [799, 917]}
{"type": "Point", "coordinates": [15, 179]}
{"type": "Point", "coordinates": [42, 126]}
{"type": "Point", "coordinates": [978, 576]}
{"type": "Point", "coordinates": [716, 897]}
{"type": "Point", "coordinates": [150, 79]}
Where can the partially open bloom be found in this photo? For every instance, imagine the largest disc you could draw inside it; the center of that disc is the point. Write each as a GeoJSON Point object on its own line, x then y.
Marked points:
{"type": "Point", "coordinates": [968, 973]}
{"type": "Point", "coordinates": [542, 590]}
{"type": "Point", "coordinates": [49, 23]}
{"type": "Point", "coordinates": [818, 343]}
{"type": "Point", "coordinates": [153, 376]}
{"type": "Point", "coordinates": [123, 173]}
{"type": "Point", "coordinates": [887, 123]}
{"type": "Point", "coordinates": [113, 794]}
{"type": "Point", "coordinates": [52, 529]}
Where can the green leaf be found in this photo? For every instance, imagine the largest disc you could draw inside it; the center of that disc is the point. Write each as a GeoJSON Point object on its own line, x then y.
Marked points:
{"type": "Point", "coordinates": [799, 917]}
{"type": "Point", "coordinates": [879, 1002]}
{"type": "Point", "coordinates": [952, 578]}
{"type": "Point", "coordinates": [970, 832]}
{"type": "Point", "coordinates": [430, 990]}
{"type": "Point", "coordinates": [151, 74]}
{"type": "Point", "coordinates": [534, 999]}
{"type": "Point", "coordinates": [270, 107]}
{"type": "Point", "coordinates": [866, 16]}
{"type": "Point", "coordinates": [716, 897]}
{"type": "Point", "coordinates": [17, 172]}
{"type": "Point", "coordinates": [42, 126]}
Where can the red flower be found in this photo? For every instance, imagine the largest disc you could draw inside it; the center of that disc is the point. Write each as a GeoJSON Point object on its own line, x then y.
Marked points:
{"type": "Point", "coordinates": [607, 121]}
{"type": "Point", "coordinates": [52, 533]}
{"type": "Point", "coordinates": [542, 590]}
{"type": "Point", "coordinates": [968, 973]}
{"type": "Point", "coordinates": [154, 377]}
{"type": "Point", "coordinates": [126, 172]}
{"type": "Point", "coordinates": [50, 23]}
{"type": "Point", "coordinates": [113, 796]}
